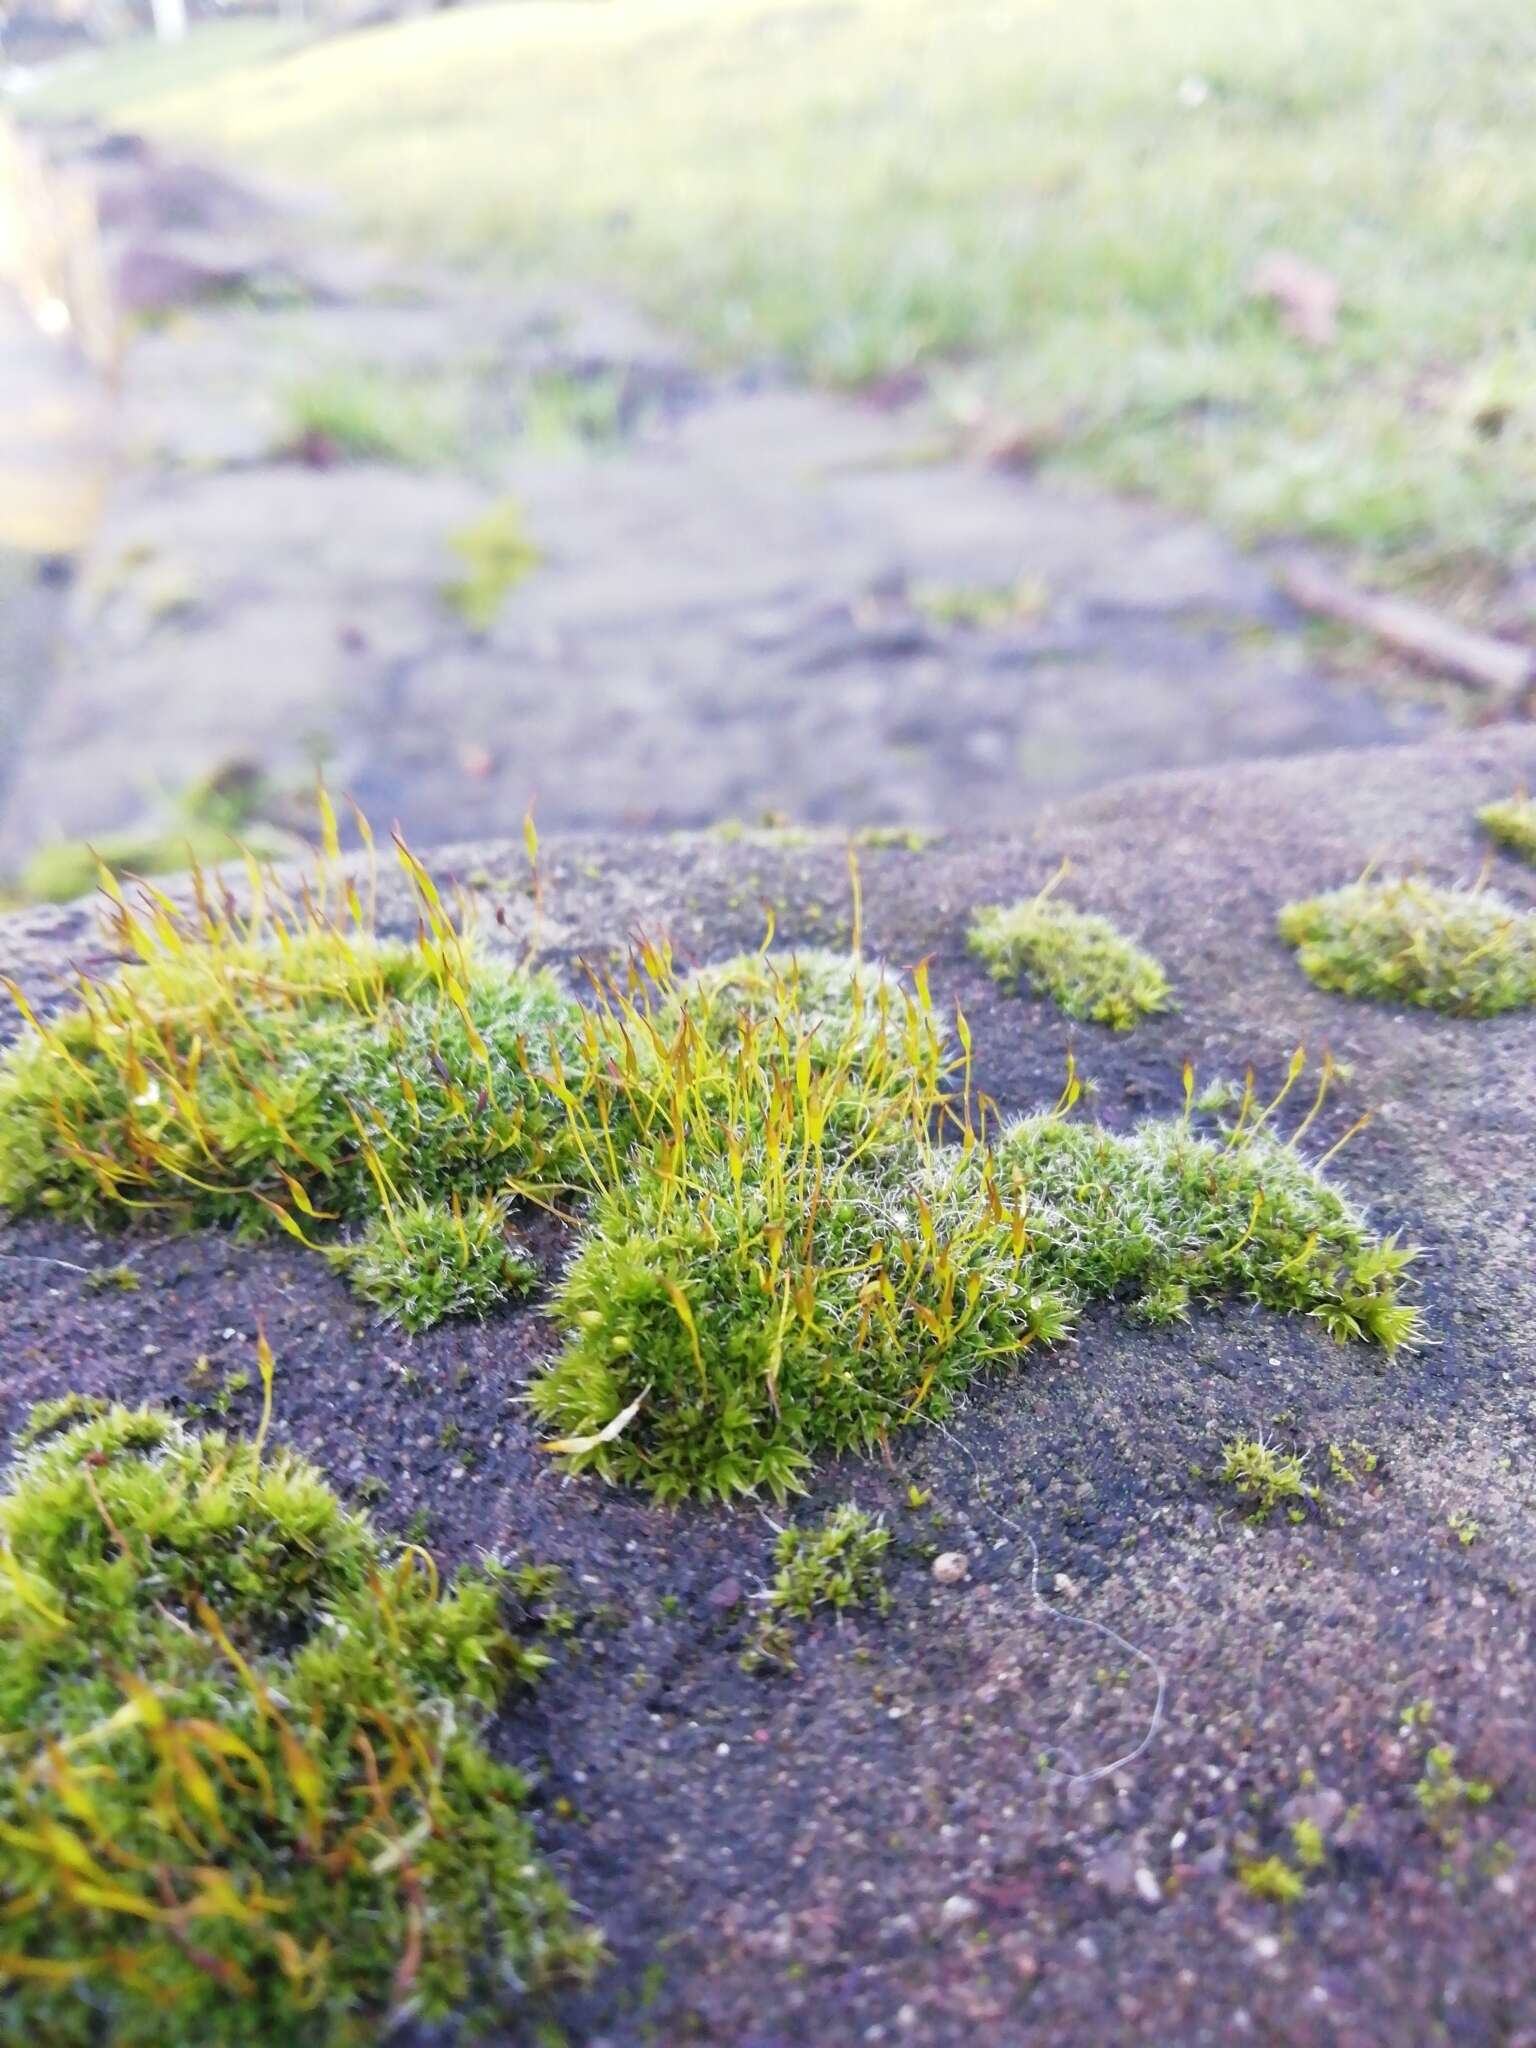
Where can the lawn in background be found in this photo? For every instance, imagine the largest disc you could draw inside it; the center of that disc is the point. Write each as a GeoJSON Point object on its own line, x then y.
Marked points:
{"type": "Point", "coordinates": [1054, 205]}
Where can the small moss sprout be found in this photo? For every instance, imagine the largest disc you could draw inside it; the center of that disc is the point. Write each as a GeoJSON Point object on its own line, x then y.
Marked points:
{"type": "Point", "coordinates": [1088, 968]}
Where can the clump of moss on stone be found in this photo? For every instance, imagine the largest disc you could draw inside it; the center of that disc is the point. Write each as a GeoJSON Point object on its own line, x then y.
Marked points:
{"type": "Point", "coordinates": [1513, 824]}
{"type": "Point", "coordinates": [422, 1261]}
{"type": "Point", "coordinates": [1272, 1879]}
{"type": "Point", "coordinates": [284, 1069]}
{"type": "Point", "coordinates": [497, 554]}
{"type": "Point", "coordinates": [1464, 951]}
{"type": "Point", "coordinates": [838, 1562]}
{"type": "Point", "coordinates": [793, 1258]}
{"type": "Point", "coordinates": [1086, 967]}
{"type": "Point", "coordinates": [244, 1794]}
{"type": "Point", "coordinates": [795, 1234]}
{"type": "Point", "coordinates": [1443, 1793]}
{"type": "Point", "coordinates": [1265, 1479]}
{"type": "Point", "coordinates": [837, 1004]}
{"type": "Point", "coordinates": [1167, 1214]}
{"type": "Point", "coordinates": [753, 1266]}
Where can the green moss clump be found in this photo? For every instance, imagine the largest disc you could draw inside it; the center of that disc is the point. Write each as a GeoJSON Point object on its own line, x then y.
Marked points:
{"type": "Point", "coordinates": [838, 1005]}
{"type": "Point", "coordinates": [244, 1796]}
{"type": "Point", "coordinates": [753, 1268]}
{"type": "Point", "coordinates": [422, 1261]}
{"type": "Point", "coordinates": [1265, 1479]}
{"type": "Point", "coordinates": [839, 1562]}
{"type": "Point", "coordinates": [1465, 951]}
{"type": "Point", "coordinates": [1165, 1214]}
{"type": "Point", "coordinates": [788, 1259]}
{"type": "Point", "coordinates": [497, 555]}
{"type": "Point", "coordinates": [812, 1307]}
{"type": "Point", "coordinates": [1513, 824]}
{"type": "Point", "coordinates": [1087, 968]}
{"type": "Point", "coordinates": [290, 1071]}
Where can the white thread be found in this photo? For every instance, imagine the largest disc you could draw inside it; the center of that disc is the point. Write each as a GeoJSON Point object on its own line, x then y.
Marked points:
{"type": "Point", "coordinates": [1084, 1621]}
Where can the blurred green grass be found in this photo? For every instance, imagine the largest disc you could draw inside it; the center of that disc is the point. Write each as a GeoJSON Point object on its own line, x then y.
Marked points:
{"type": "Point", "coordinates": [1054, 205]}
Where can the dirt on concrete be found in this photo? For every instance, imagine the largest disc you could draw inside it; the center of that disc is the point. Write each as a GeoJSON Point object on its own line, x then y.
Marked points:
{"type": "Point", "coordinates": [902, 1840]}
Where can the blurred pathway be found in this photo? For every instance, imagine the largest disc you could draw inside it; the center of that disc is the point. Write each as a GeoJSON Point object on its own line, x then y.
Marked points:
{"type": "Point", "coordinates": [54, 425]}
{"type": "Point", "coordinates": [742, 597]}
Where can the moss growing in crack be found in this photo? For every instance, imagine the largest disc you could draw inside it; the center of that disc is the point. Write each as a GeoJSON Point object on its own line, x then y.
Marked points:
{"type": "Point", "coordinates": [1087, 968]}
{"type": "Point", "coordinates": [1513, 824]}
{"type": "Point", "coordinates": [838, 1562]}
{"type": "Point", "coordinates": [1465, 951]}
{"type": "Point", "coordinates": [422, 1261]}
{"type": "Point", "coordinates": [287, 1070]}
{"type": "Point", "coordinates": [244, 1795]}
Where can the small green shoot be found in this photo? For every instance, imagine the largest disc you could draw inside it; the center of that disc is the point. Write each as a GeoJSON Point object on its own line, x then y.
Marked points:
{"type": "Point", "coordinates": [1443, 1793]}
{"type": "Point", "coordinates": [1265, 1479]}
{"type": "Point", "coordinates": [1273, 1880]}
{"type": "Point", "coordinates": [981, 607]}
{"type": "Point", "coordinates": [422, 1261]}
{"type": "Point", "coordinates": [838, 1562]}
{"type": "Point", "coordinates": [122, 1279]}
{"type": "Point", "coordinates": [1347, 1462]}
{"type": "Point", "coordinates": [1512, 823]}
{"type": "Point", "coordinates": [565, 408]}
{"type": "Point", "coordinates": [1311, 1851]}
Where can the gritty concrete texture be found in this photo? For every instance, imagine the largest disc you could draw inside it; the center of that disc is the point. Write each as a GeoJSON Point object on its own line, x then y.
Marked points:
{"type": "Point", "coordinates": [899, 1842]}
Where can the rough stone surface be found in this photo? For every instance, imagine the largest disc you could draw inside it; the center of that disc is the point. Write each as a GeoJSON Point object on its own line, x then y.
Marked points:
{"type": "Point", "coordinates": [777, 1860]}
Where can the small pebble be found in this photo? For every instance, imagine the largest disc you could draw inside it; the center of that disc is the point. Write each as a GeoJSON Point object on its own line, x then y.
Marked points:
{"type": "Point", "coordinates": [950, 1567]}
